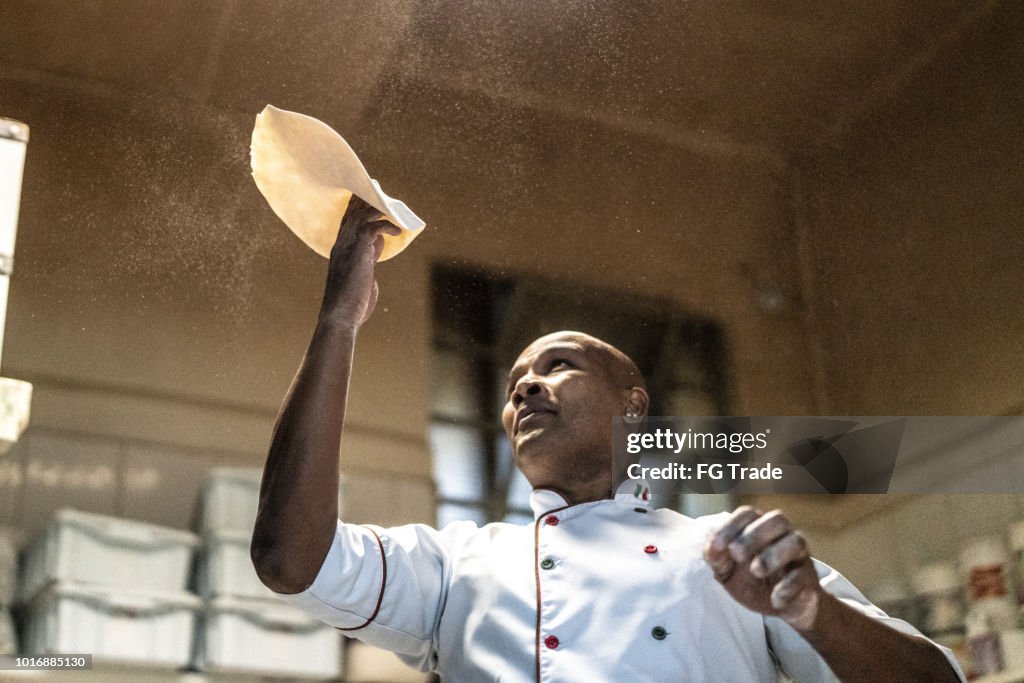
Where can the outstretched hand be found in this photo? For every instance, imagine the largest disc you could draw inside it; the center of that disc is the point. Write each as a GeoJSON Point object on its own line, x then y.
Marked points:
{"type": "Point", "coordinates": [351, 291]}
{"type": "Point", "coordinates": [765, 565]}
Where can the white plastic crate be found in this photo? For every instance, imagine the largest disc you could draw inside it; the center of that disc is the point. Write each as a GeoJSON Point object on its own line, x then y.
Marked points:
{"type": "Point", "coordinates": [97, 549]}
{"type": "Point", "coordinates": [225, 567]}
{"type": "Point", "coordinates": [230, 498]}
{"type": "Point", "coordinates": [115, 626]}
{"type": "Point", "coordinates": [265, 638]}
{"type": "Point", "coordinates": [8, 569]}
{"type": "Point", "coordinates": [8, 637]}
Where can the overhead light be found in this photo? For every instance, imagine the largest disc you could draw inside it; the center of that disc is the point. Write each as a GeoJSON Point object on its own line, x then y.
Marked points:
{"type": "Point", "coordinates": [15, 395]}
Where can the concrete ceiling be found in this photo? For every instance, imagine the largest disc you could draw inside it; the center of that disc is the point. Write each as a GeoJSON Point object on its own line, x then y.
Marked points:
{"type": "Point", "coordinates": [733, 77]}
{"type": "Point", "coordinates": [138, 191]}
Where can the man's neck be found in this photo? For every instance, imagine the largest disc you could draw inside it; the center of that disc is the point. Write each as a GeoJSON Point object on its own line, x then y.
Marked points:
{"type": "Point", "coordinates": [599, 490]}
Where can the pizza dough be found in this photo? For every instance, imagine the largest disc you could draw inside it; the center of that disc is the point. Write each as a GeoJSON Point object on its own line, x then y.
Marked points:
{"type": "Point", "coordinates": [308, 174]}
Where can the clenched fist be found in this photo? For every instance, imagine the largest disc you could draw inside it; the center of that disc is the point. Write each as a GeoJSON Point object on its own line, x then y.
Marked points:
{"type": "Point", "coordinates": [765, 565]}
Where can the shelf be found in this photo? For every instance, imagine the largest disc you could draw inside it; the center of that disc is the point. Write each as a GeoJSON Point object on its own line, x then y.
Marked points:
{"type": "Point", "coordinates": [100, 675]}
{"type": "Point", "coordinates": [127, 675]}
{"type": "Point", "coordinates": [1016, 676]}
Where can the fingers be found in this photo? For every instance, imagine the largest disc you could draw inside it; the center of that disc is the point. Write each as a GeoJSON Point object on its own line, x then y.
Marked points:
{"type": "Point", "coordinates": [722, 567]}
{"type": "Point", "coordinates": [785, 551]}
{"type": "Point", "coordinates": [735, 525]}
{"type": "Point", "coordinates": [796, 597]}
{"type": "Point", "coordinates": [716, 552]}
{"type": "Point", "coordinates": [765, 543]}
{"type": "Point", "coordinates": [361, 221]}
{"type": "Point", "coordinates": [361, 209]}
{"type": "Point", "coordinates": [758, 535]}
{"type": "Point", "coordinates": [386, 227]}
{"type": "Point", "coordinates": [787, 588]}
{"type": "Point", "coordinates": [765, 564]}
{"type": "Point", "coordinates": [363, 238]}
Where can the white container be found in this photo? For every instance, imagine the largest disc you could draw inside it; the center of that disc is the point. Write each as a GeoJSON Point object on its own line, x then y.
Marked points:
{"type": "Point", "coordinates": [1013, 649]}
{"type": "Point", "coordinates": [266, 638]}
{"type": "Point", "coordinates": [8, 569]}
{"type": "Point", "coordinates": [8, 637]}
{"type": "Point", "coordinates": [115, 626]}
{"type": "Point", "coordinates": [229, 500]}
{"type": "Point", "coordinates": [991, 609]}
{"type": "Point", "coordinates": [986, 562]}
{"type": "Point", "coordinates": [1017, 547]}
{"type": "Point", "coordinates": [940, 599]}
{"type": "Point", "coordinates": [892, 595]}
{"type": "Point", "coordinates": [96, 549]}
{"type": "Point", "coordinates": [225, 567]}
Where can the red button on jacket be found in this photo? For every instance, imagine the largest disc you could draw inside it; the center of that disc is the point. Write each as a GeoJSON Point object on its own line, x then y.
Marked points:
{"type": "Point", "coordinates": [551, 642]}
{"type": "Point", "coordinates": [551, 520]}
{"type": "Point", "coordinates": [650, 549]}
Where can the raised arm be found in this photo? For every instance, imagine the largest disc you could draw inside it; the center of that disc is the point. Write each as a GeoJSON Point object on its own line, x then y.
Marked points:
{"type": "Point", "coordinates": [298, 507]}
{"type": "Point", "coordinates": [765, 565]}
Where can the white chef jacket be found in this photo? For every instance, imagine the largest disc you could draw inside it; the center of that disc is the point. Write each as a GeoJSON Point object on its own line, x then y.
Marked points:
{"type": "Point", "coordinates": [610, 590]}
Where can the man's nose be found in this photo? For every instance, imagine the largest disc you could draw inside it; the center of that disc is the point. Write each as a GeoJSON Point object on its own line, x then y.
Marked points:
{"type": "Point", "coordinates": [527, 386]}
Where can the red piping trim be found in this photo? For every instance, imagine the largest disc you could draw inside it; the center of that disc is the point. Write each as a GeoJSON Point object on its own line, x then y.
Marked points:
{"type": "Point", "coordinates": [383, 584]}
{"type": "Point", "coordinates": [536, 573]}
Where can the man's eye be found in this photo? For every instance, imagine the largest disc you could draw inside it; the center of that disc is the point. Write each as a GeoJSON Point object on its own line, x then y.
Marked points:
{"type": "Point", "coordinates": [560, 362]}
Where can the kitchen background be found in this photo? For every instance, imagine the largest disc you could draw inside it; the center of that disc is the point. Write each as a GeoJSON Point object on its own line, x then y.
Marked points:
{"type": "Point", "coordinates": [787, 209]}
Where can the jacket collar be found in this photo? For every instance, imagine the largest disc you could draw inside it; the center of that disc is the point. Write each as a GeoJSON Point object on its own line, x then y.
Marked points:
{"type": "Point", "coordinates": [633, 491]}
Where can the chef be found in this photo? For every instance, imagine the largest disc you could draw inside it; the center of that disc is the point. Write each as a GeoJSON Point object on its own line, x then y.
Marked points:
{"type": "Point", "coordinates": [601, 587]}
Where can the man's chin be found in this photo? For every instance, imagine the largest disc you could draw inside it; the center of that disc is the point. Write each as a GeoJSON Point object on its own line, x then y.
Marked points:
{"type": "Point", "coordinates": [531, 445]}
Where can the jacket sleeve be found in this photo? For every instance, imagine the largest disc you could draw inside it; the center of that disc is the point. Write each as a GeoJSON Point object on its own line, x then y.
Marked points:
{"type": "Point", "coordinates": [386, 587]}
{"type": "Point", "coordinates": [799, 660]}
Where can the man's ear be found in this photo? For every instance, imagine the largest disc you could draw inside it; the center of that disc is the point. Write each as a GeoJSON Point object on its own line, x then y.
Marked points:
{"type": "Point", "coordinates": [637, 402]}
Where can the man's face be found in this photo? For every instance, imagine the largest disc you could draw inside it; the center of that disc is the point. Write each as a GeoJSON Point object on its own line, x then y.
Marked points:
{"type": "Point", "coordinates": [559, 409]}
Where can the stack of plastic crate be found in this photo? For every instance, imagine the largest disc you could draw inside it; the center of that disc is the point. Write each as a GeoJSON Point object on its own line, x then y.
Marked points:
{"type": "Point", "coordinates": [110, 587]}
{"type": "Point", "coordinates": [245, 628]}
{"type": "Point", "coordinates": [8, 583]}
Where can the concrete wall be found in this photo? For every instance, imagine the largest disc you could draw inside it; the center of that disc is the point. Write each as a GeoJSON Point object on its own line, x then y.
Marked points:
{"type": "Point", "coordinates": [918, 273]}
{"type": "Point", "coordinates": [158, 301]}
{"type": "Point", "coordinates": [918, 270]}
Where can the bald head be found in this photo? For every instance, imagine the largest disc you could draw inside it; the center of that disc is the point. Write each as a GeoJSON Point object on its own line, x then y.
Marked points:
{"type": "Point", "coordinates": [622, 372]}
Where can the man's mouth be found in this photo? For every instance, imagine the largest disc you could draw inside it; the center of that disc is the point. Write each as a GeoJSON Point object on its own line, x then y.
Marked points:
{"type": "Point", "coordinates": [531, 416]}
